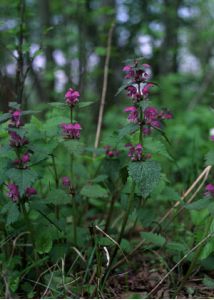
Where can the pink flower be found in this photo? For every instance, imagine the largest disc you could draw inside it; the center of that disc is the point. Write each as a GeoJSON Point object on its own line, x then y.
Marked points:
{"type": "Point", "coordinates": [66, 181]}
{"type": "Point", "coordinates": [13, 192]}
{"type": "Point", "coordinates": [30, 191]}
{"type": "Point", "coordinates": [71, 131]}
{"type": "Point", "coordinates": [72, 97]}
{"type": "Point", "coordinates": [133, 114]}
{"type": "Point", "coordinates": [146, 89]}
{"type": "Point", "coordinates": [16, 118]}
{"type": "Point", "coordinates": [129, 71]}
{"type": "Point", "coordinates": [16, 140]}
{"type": "Point", "coordinates": [209, 190]}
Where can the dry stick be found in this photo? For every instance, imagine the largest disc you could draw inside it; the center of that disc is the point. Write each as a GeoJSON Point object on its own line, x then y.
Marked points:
{"type": "Point", "coordinates": [195, 193]}
{"type": "Point", "coordinates": [180, 261]}
{"type": "Point", "coordinates": [104, 89]}
{"type": "Point", "coordinates": [206, 171]}
{"type": "Point", "coordinates": [204, 174]}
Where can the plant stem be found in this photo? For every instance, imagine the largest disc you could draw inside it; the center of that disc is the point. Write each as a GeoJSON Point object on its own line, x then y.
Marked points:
{"type": "Point", "coordinates": [25, 213]}
{"type": "Point", "coordinates": [111, 208]}
{"type": "Point", "coordinates": [121, 234]}
{"type": "Point", "coordinates": [74, 219]}
{"type": "Point", "coordinates": [56, 183]}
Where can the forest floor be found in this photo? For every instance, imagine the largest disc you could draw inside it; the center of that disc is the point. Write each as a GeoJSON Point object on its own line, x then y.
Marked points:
{"type": "Point", "coordinates": [145, 273]}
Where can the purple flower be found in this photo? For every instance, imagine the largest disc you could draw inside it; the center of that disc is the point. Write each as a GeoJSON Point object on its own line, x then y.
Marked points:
{"type": "Point", "coordinates": [133, 114]}
{"type": "Point", "coordinates": [13, 192]}
{"type": "Point", "coordinates": [71, 131]}
{"type": "Point", "coordinates": [72, 97]}
{"type": "Point", "coordinates": [16, 140]}
{"type": "Point", "coordinates": [146, 89]}
{"type": "Point", "coordinates": [110, 152]}
{"type": "Point", "coordinates": [66, 181]}
{"type": "Point", "coordinates": [30, 191]}
{"type": "Point", "coordinates": [135, 152]}
{"type": "Point", "coordinates": [212, 137]}
{"type": "Point", "coordinates": [23, 161]}
{"type": "Point", "coordinates": [129, 71]}
{"type": "Point", "coordinates": [25, 158]}
{"type": "Point", "coordinates": [209, 190]}
{"type": "Point", "coordinates": [155, 123]}
{"type": "Point", "coordinates": [150, 114]}
{"type": "Point", "coordinates": [16, 119]}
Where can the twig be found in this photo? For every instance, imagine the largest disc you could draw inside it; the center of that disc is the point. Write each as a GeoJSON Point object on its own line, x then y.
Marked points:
{"type": "Point", "coordinates": [204, 174]}
{"type": "Point", "coordinates": [104, 89]}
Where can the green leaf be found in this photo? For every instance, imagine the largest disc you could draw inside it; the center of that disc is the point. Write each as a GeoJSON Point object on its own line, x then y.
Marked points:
{"type": "Point", "coordinates": [94, 191]}
{"type": "Point", "coordinates": [210, 158]}
{"type": "Point", "coordinates": [156, 147]}
{"type": "Point", "coordinates": [100, 178]}
{"type": "Point", "coordinates": [127, 130]}
{"type": "Point", "coordinates": [207, 250]}
{"type": "Point", "coordinates": [58, 197]}
{"type": "Point", "coordinates": [43, 242]}
{"type": "Point", "coordinates": [22, 177]}
{"type": "Point", "coordinates": [176, 247]}
{"type": "Point", "coordinates": [85, 104]}
{"type": "Point", "coordinates": [5, 117]}
{"type": "Point", "coordinates": [12, 212]}
{"type": "Point", "coordinates": [153, 238]}
{"type": "Point", "coordinates": [14, 105]}
{"type": "Point", "coordinates": [200, 204]}
{"type": "Point", "coordinates": [146, 174]}
{"type": "Point", "coordinates": [126, 245]}
{"type": "Point", "coordinates": [123, 87]}
{"type": "Point", "coordinates": [73, 146]}
{"type": "Point", "coordinates": [208, 282]}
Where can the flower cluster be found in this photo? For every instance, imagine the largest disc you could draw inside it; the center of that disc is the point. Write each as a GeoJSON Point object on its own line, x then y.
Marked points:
{"type": "Point", "coordinates": [13, 192]}
{"type": "Point", "coordinates": [16, 119]}
{"type": "Point", "coordinates": [71, 130]}
{"type": "Point", "coordinates": [18, 142]}
{"type": "Point", "coordinates": [22, 163]}
{"type": "Point", "coordinates": [136, 153]}
{"type": "Point", "coordinates": [138, 86]}
{"type": "Point", "coordinates": [72, 97]}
